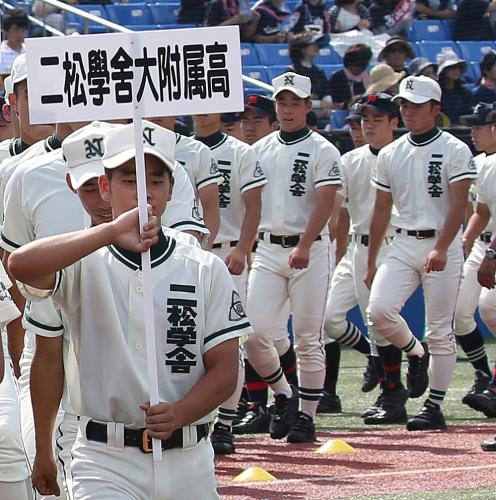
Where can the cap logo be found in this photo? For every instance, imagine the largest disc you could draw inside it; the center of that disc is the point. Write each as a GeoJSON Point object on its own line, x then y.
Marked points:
{"type": "Point", "coordinates": [93, 147]}
{"type": "Point", "coordinates": [478, 108]}
{"type": "Point", "coordinates": [372, 98]}
{"type": "Point", "coordinates": [147, 136]}
{"type": "Point", "coordinates": [288, 79]}
{"type": "Point", "coordinates": [409, 85]}
{"type": "Point", "coordinates": [252, 100]}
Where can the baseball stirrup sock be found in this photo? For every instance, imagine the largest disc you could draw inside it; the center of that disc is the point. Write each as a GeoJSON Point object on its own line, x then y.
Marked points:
{"type": "Point", "coordinates": [289, 366]}
{"type": "Point", "coordinates": [353, 337]}
{"type": "Point", "coordinates": [473, 346]}
{"type": "Point", "coordinates": [226, 416]}
{"type": "Point", "coordinates": [333, 358]}
{"type": "Point", "coordinates": [256, 386]}
{"type": "Point", "coordinates": [436, 396]}
{"type": "Point", "coordinates": [278, 383]}
{"type": "Point", "coordinates": [414, 347]}
{"type": "Point", "coordinates": [379, 369]}
{"type": "Point", "coordinates": [390, 357]}
{"type": "Point", "coordinates": [309, 400]}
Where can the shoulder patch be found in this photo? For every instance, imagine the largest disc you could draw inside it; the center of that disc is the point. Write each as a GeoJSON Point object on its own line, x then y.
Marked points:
{"type": "Point", "coordinates": [214, 169]}
{"type": "Point", "coordinates": [258, 172]}
{"type": "Point", "coordinates": [334, 172]}
{"type": "Point", "coordinates": [236, 311]}
{"type": "Point", "coordinates": [472, 166]}
{"type": "Point", "coordinates": [195, 212]}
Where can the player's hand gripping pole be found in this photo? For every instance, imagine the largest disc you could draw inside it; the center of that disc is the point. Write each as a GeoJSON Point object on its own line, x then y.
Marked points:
{"type": "Point", "coordinates": [151, 353]}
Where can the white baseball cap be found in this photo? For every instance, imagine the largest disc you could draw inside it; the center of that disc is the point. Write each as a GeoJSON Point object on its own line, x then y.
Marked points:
{"type": "Point", "coordinates": [419, 89]}
{"type": "Point", "coordinates": [83, 152]}
{"type": "Point", "coordinates": [157, 141]}
{"type": "Point", "coordinates": [300, 85]}
{"type": "Point", "coordinates": [9, 88]}
{"type": "Point", "coordinates": [19, 70]}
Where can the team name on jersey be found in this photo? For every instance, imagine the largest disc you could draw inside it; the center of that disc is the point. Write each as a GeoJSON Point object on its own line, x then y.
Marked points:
{"type": "Point", "coordinates": [299, 177]}
{"type": "Point", "coordinates": [225, 187]}
{"type": "Point", "coordinates": [182, 331]}
{"type": "Point", "coordinates": [434, 177]}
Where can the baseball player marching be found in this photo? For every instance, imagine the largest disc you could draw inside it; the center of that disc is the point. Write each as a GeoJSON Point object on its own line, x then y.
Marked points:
{"type": "Point", "coordinates": [426, 174]}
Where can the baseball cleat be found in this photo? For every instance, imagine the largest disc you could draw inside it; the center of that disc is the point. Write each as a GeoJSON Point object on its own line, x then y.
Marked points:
{"type": "Point", "coordinates": [370, 378]}
{"type": "Point", "coordinates": [489, 444]}
{"type": "Point", "coordinates": [376, 406]}
{"type": "Point", "coordinates": [392, 407]}
{"type": "Point", "coordinates": [430, 418]}
{"type": "Point", "coordinates": [329, 404]}
{"type": "Point", "coordinates": [222, 439]}
{"type": "Point", "coordinates": [484, 402]}
{"type": "Point", "coordinates": [255, 421]}
{"type": "Point", "coordinates": [480, 385]}
{"type": "Point", "coordinates": [417, 378]}
{"type": "Point", "coordinates": [284, 415]}
{"type": "Point", "coordinates": [303, 430]}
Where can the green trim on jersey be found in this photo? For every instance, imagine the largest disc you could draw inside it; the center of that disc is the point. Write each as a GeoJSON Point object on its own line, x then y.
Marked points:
{"type": "Point", "coordinates": [290, 143]}
{"type": "Point", "coordinates": [11, 243]}
{"type": "Point", "coordinates": [42, 326]}
{"type": "Point", "coordinates": [213, 336]}
{"type": "Point", "coordinates": [429, 141]}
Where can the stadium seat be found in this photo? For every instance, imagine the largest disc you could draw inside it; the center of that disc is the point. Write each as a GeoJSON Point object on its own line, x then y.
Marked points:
{"type": "Point", "coordinates": [254, 90]}
{"type": "Point", "coordinates": [143, 27]}
{"type": "Point", "coordinates": [164, 13]}
{"type": "Point", "coordinates": [475, 51]}
{"type": "Point", "coordinates": [273, 53]}
{"type": "Point", "coordinates": [431, 49]}
{"type": "Point", "coordinates": [176, 26]}
{"type": "Point", "coordinates": [337, 118]}
{"type": "Point", "coordinates": [273, 71]}
{"type": "Point", "coordinates": [249, 56]}
{"type": "Point", "coordinates": [329, 69]}
{"type": "Point", "coordinates": [476, 70]}
{"type": "Point", "coordinates": [428, 29]}
{"type": "Point", "coordinates": [129, 14]}
{"type": "Point", "coordinates": [449, 25]}
{"type": "Point", "coordinates": [327, 55]}
{"type": "Point", "coordinates": [256, 72]}
{"type": "Point", "coordinates": [75, 21]}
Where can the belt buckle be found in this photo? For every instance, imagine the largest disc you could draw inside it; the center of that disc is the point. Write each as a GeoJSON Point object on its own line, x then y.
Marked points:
{"type": "Point", "coordinates": [419, 236]}
{"type": "Point", "coordinates": [283, 242]}
{"type": "Point", "coordinates": [146, 443]}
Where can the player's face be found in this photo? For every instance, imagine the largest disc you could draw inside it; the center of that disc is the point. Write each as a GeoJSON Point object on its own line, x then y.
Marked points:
{"type": "Point", "coordinates": [377, 127]}
{"type": "Point", "coordinates": [233, 129]}
{"type": "Point", "coordinates": [121, 189]}
{"type": "Point", "coordinates": [207, 121]}
{"type": "Point", "coordinates": [254, 126]}
{"type": "Point", "coordinates": [357, 134]}
{"type": "Point", "coordinates": [419, 118]}
{"type": "Point", "coordinates": [483, 137]}
{"type": "Point", "coordinates": [95, 206]}
{"type": "Point", "coordinates": [292, 111]}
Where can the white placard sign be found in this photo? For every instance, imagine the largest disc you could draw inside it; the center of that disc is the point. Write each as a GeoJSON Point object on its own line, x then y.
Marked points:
{"type": "Point", "coordinates": [163, 73]}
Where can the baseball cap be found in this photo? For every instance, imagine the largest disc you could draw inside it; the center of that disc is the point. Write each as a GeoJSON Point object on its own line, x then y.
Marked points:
{"type": "Point", "coordinates": [419, 89]}
{"type": "Point", "coordinates": [261, 104]}
{"type": "Point", "coordinates": [482, 115]}
{"type": "Point", "coordinates": [119, 145]}
{"type": "Point", "coordinates": [354, 114]}
{"type": "Point", "coordinates": [83, 152]}
{"type": "Point", "coordinates": [381, 103]}
{"type": "Point", "coordinates": [9, 88]}
{"type": "Point", "coordinates": [299, 85]}
{"type": "Point", "coordinates": [19, 70]}
{"type": "Point", "coordinates": [230, 117]}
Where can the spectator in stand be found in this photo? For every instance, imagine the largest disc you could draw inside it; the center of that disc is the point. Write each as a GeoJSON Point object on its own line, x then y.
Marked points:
{"type": "Point", "coordinates": [230, 13]}
{"type": "Point", "coordinates": [269, 22]}
{"type": "Point", "coordinates": [396, 53]}
{"type": "Point", "coordinates": [456, 99]}
{"type": "Point", "coordinates": [50, 14]}
{"type": "Point", "coordinates": [312, 16]}
{"type": "Point", "coordinates": [192, 12]}
{"type": "Point", "coordinates": [391, 16]}
{"type": "Point", "coordinates": [422, 66]}
{"type": "Point", "coordinates": [347, 15]}
{"type": "Point", "coordinates": [486, 90]}
{"type": "Point", "coordinates": [302, 53]}
{"type": "Point", "coordinates": [15, 29]}
{"type": "Point", "coordinates": [384, 79]}
{"type": "Point", "coordinates": [434, 9]}
{"type": "Point", "coordinates": [350, 82]}
{"type": "Point", "coordinates": [312, 121]}
{"type": "Point", "coordinates": [473, 20]}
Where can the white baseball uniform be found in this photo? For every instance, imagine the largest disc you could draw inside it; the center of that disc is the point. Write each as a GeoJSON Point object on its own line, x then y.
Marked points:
{"type": "Point", "coordinates": [295, 168]}
{"type": "Point", "coordinates": [199, 297]}
{"type": "Point", "coordinates": [418, 174]}
{"type": "Point", "coordinates": [10, 147]}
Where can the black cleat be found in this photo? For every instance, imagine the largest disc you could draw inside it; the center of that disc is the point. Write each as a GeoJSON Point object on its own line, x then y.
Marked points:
{"type": "Point", "coordinates": [284, 414]}
{"type": "Point", "coordinates": [480, 385]}
{"type": "Point", "coordinates": [430, 418]}
{"type": "Point", "coordinates": [372, 410]}
{"type": "Point", "coordinates": [303, 430]}
{"type": "Point", "coordinates": [484, 402]}
{"type": "Point", "coordinates": [243, 407]}
{"type": "Point", "coordinates": [392, 407]}
{"type": "Point", "coordinates": [489, 444]}
{"type": "Point", "coordinates": [417, 378]}
{"type": "Point", "coordinates": [222, 440]}
{"type": "Point", "coordinates": [256, 421]}
{"type": "Point", "coordinates": [370, 378]}
{"type": "Point", "coordinates": [329, 404]}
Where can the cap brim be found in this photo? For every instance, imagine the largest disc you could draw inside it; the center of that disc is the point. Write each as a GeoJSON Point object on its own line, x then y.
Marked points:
{"type": "Point", "coordinates": [126, 155]}
{"type": "Point", "coordinates": [83, 173]}
{"type": "Point", "coordinates": [258, 110]}
{"type": "Point", "coordinates": [411, 97]}
{"type": "Point", "coordinates": [355, 117]}
{"type": "Point", "coordinates": [296, 92]}
{"type": "Point", "coordinates": [471, 120]}
{"type": "Point", "coordinates": [19, 79]}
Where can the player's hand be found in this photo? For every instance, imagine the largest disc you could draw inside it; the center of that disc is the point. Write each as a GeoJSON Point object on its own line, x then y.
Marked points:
{"type": "Point", "coordinates": [44, 475]}
{"type": "Point", "coordinates": [436, 261]}
{"type": "Point", "coordinates": [236, 261]}
{"type": "Point", "coordinates": [467, 246]}
{"type": "Point", "coordinates": [485, 274]}
{"type": "Point", "coordinates": [299, 257]}
{"type": "Point", "coordinates": [127, 231]}
{"type": "Point", "coordinates": [160, 419]}
{"type": "Point", "coordinates": [369, 276]}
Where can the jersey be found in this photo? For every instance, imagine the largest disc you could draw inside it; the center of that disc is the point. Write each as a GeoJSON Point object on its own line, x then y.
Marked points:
{"type": "Point", "coordinates": [294, 171]}
{"type": "Point", "coordinates": [10, 147]}
{"type": "Point", "coordinates": [196, 307]}
{"type": "Point", "coordinates": [418, 177]}
{"type": "Point", "coordinates": [241, 171]}
{"type": "Point", "coordinates": [484, 188]}
{"type": "Point", "coordinates": [479, 161]}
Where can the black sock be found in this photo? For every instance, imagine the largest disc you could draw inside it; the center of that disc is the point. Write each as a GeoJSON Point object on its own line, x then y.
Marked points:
{"type": "Point", "coordinates": [390, 357]}
{"type": "Point", "coordinates": [379, 369]}
{"type": "Point", "coordinates": [257, 388]}
{"type": "Point", "coordinates": [473, 346]}
{"type": "Point", "coordinates": [354, 338]}
{"type": "Point", "coordinates": [333, 357]}
{"type": "Point", "coordinates": [289, 366]}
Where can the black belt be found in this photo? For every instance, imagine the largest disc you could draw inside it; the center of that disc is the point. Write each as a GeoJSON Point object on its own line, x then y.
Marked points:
{"type": "Point", "coordinates": [285, 241]}
{"type": "Point", "coordinates": [363, 239]}
{"type": "Point", "coordinates": [139, 438]}
{"type": "Point", "coordinates": [232, 244]}
{"type": "Point", "coordinates": [420, 235]}
{"type": "Point", "coordinates": [486, 237]}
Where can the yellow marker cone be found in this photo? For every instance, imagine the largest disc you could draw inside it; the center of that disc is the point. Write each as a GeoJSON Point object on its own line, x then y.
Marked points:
{"type": "Point", "coordinates": [254, 474]}
{"type": "Point", "coordinates": [335, 446]}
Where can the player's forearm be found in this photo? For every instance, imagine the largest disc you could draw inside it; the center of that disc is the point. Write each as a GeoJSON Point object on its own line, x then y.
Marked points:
{"type": "Point", "coordinates": [426, 11]}
{"type": "Point", "coordinates": [476, 224]}
{"type": "Point", "coordinates": [209, 197]}
{"type": "Point", "coordinates": [342, 229]}
{"type": "Point", "coordinates": [378, 225]}
{"type": "Point", "coordinates": [218, 383]}
{"type": "Point", "coordinates": [2, 364]}
{"type": "Point", "coordinates": [15, 342]}
{"type": "Point", "coordinates": [251, 221]}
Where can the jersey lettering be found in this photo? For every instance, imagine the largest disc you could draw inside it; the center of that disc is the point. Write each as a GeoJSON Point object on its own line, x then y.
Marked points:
{"type": "Point", "coordinates": [434, 177]}
{"type": "Point", "coordinates": [299, 177]}
{"type": "Point", "coordinates": [182, 329]}
{"type": "Point", "coordinates": [225, 187]}
{"type": "Point", "coordinates": [93, 147]}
